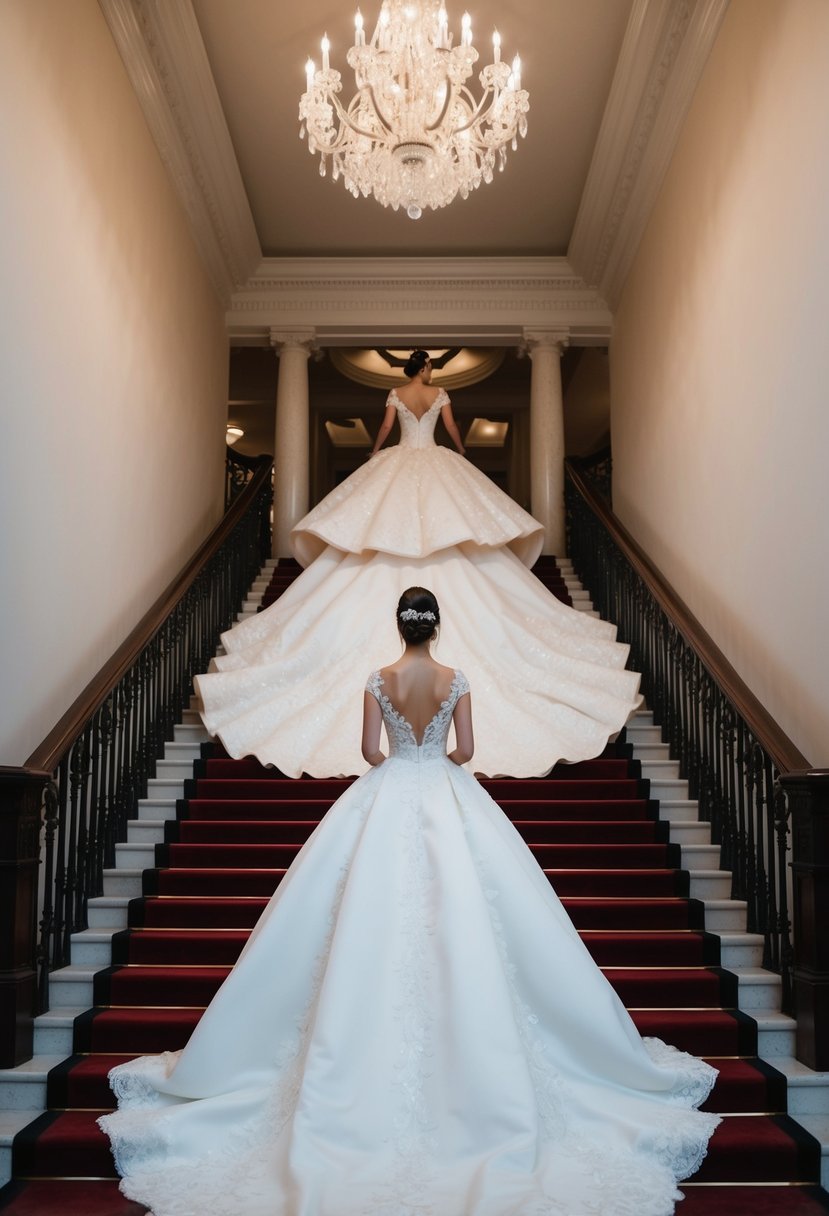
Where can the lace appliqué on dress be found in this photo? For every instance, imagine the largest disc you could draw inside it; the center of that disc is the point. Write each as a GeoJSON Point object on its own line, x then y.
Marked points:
{"type": "Point", "coordinates": [402, 739]}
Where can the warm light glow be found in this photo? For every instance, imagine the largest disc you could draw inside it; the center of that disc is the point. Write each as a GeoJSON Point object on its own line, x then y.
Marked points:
{"type": "Point", "coordinates": [384, 369]}
{"type": "Point", "coordinates": [348, 433]}
{"type": "Point", "coordinates": [414, 134]}
{"type": "Point", "coordinates": [309, 73]}
{"type": "Point", "coordinates": [483, 433]}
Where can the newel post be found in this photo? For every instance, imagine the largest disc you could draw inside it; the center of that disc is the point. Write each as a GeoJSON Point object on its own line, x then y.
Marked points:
{"type": "Point", "coordinates": [807, 794]}
{"type": "Point", "coordinates": [21, 795]}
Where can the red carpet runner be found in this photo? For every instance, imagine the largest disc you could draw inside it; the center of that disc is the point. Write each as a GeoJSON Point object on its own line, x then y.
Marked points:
{"type": "Point", "coordinates": [595, 832]}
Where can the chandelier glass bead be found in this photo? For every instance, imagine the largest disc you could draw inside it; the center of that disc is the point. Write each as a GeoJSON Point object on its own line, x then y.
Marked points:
{"type": "Point", "coordinates": [414, 135]}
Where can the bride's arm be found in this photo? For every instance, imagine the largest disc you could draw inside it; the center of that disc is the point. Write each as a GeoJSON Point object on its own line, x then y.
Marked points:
{"type": "Point", "coordinates": [452, 427]}
{"type": "Point", "coordinates": [372, 721]}
{"type": "Point", "coordinates": [462, 719]}
{"type": "Point", "coordinates": [385, 428]}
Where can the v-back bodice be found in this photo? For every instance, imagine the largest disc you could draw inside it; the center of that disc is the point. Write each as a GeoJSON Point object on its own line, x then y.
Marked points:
{"type": "Point", "coordinates": [417, 432]}
{"type": "Point", "coordinates": [403, 742]}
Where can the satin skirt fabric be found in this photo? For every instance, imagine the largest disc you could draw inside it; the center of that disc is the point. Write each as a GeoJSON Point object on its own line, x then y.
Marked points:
{"type": "Point", "coordinates": [548, 683]}
{"type": "Point", "coordinates": [413, 1029]}
{"type": "Point", "coordinates": [412, 501]}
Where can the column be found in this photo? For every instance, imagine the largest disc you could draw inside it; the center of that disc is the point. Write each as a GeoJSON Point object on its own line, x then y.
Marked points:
{"type": "Point", "coordinates": [291, 455]}
{"type": "Point", "coordinates": [547, 434]}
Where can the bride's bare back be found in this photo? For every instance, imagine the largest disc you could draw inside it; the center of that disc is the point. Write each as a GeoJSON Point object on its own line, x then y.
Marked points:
{"type": "Point", "coordinates": [417, 689]}
{"type": "Point", "coordinates": [417, 686]}
{"type": "Point", "coordinates": [417, 397]}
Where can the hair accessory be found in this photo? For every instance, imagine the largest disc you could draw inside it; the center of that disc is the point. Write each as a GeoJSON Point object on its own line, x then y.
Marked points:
{"type": "Point", "coordinates": [411, 615]}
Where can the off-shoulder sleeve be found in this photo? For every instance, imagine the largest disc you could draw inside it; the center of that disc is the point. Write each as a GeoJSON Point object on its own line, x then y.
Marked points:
{"type": "Point", "coordinates": [442, 399]}
{"type": "Point", "coordinates": [461, 685]}
{"type": "Point", "coordinates": [373, 684]}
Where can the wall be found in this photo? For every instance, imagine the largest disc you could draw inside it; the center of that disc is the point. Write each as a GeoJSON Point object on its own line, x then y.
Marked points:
{"type": "Point", "coordinates": [112, 366]}
{"type": "Point", "coordinates": [587, 404]}
{"type": "Point", "coordinates": [720, 362]}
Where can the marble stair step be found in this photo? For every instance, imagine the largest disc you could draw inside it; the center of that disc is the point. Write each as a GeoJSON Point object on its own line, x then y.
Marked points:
{"type": "Point", "coordinates": [680, 810]}
{"type": "Point", "coordinates": [123, 882]}
{"type": "Point", "coordinates": [191, 733]}
{"type": "Point", "coordinates": [690, 832]}
{"type": "Point", "coordinates": [11, 1122]}
{"type": "Point", "coordinates": [24, 1087]}
{"type": "Point", "coordinates": [808, 1091]}
{"type": "Point", "coordinates": [775, 1035]}
{"type": "Point", "coordinates": [108, 911]}
{"type": "Point", "coordinates": [54, 1031]}
{"type": "Point", "coordinates": [156, 808]}
{"type": "Point", "coordinates": [725, 915]}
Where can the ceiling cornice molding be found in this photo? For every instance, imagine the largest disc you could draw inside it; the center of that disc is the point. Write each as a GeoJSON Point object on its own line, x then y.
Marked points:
{"type": "Point", "coordinates": [164, 55]}
{"type": "Point", "coordinates": [484, 300]}
{"type": "Point", "coordinates": [663, 55]}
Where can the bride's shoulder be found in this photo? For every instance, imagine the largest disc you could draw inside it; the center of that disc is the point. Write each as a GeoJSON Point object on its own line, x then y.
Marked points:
{"type": "Point", "coordinates": [459, 682]}
{"type": "Point", "coordinates": [455, 679]}
{"type": "Point", "coordinates": [374, 683]}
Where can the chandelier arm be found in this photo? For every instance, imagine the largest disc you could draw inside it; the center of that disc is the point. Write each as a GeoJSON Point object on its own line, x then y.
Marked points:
{"type": "Point", "coordinates": [447, 99]}
{"type": "Point", "coordinates": [477, 115]}
{"type": "Point", "coordinates": [347, 121]}
{"type": "Point", "coordinates": [388, 126]}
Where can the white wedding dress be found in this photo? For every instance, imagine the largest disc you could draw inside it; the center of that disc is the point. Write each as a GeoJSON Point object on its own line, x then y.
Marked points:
{"type": "Point", "coordinates": [413, 1029]}
{"type": "Point", "coordinates": [550, 682]}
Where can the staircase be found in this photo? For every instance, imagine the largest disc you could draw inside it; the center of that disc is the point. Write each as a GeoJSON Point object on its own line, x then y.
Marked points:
{"type": "Point", "coordinates": [624, 849]}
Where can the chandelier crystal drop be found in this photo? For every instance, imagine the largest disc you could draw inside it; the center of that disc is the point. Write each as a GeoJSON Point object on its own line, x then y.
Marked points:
{"type": "Point", "coordinates": [414, 135]}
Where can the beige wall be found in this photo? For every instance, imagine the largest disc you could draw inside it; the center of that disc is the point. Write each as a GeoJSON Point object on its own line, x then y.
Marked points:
{"type": "Point", "coordinates": [720, 362]}
{"type": "Point", "coordinates": [112, 366]}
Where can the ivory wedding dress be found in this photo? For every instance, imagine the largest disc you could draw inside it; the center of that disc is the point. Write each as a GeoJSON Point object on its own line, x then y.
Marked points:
{"type": "Point", "coordinates": [413, 1029]}
{"type": "Point", "coordinates": [287, 690]}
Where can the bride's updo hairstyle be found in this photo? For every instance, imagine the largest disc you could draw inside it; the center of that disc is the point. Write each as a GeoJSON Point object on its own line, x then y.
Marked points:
{"type": "Point", "coordinates": [416, 363]}
{"type": "Point", "coordinates": [418, 616]}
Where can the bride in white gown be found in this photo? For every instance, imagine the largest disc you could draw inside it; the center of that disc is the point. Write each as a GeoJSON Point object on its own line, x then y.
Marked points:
{"type": "Point", "coordinates": [414, 1027]}
{"type": "Point", "coordinates": [287, 688]}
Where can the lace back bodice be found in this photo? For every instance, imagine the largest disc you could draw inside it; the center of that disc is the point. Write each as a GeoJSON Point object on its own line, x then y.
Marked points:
{"type": "Point", "coordinates": [418, 432]}
{"type": "Point", "coordinates": [402, 740]}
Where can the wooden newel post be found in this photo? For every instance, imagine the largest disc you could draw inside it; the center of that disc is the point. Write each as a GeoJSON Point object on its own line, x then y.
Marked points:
{"type": "Point", "coordinates": [807, 794]}
{"type": "Point", "coordinates": [21, 794]}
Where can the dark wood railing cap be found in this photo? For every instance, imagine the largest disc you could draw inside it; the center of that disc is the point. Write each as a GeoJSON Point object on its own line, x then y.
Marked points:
{"type": "Point", "coordinates": [783, 753]}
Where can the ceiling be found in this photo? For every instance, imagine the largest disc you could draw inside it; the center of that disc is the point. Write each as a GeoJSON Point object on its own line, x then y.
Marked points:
{"type": "Point", "coordinates": [545, 248]}
{"type": "Point", "coordinates": [569, 51]}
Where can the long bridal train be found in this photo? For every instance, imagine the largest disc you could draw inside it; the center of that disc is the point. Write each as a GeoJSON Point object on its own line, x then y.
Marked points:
{"type": "Point", "coordinates": [414, 1028]}
{"type": "Point", "coordinates": [548, 683]}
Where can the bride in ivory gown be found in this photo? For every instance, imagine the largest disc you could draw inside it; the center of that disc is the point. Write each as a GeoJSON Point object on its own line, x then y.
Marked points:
{"type": "Point", "coordinates": [414, 1027]}
{"type": "Point", "coordinates": [286, 689]}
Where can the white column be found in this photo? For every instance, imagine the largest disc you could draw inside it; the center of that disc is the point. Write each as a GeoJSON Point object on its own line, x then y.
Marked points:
{"type": "Point", "coordinates": [547, 435]}
{"type": "Point", "coordinates": [291, 455]}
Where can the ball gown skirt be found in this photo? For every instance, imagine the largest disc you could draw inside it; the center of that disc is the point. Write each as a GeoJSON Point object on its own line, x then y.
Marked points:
{"type": "Point", "coordinates": [549, 682]}
{"type": "Point", "coordinates": [414, 1028]}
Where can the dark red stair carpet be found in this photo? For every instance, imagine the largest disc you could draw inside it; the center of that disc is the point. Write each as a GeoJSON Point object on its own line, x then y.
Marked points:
{"type": "Point", "coordinates": [597, 835]}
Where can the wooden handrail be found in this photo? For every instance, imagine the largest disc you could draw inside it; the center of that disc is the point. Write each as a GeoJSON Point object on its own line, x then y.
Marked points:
{"type": "Point", "coordinates": [785, 755]}
{"type": "Point", "coordinates": [46, 757]}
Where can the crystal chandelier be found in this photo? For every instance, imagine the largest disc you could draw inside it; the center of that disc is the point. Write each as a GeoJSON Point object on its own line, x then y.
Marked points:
{"type": "Point", "coordinates": [413, 135]}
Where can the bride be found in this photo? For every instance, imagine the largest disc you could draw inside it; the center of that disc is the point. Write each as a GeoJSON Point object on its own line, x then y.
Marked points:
{"type": "Point", "coordinates": [414, 1027]}
{"type": "Point", "coordinates": [286, 689]}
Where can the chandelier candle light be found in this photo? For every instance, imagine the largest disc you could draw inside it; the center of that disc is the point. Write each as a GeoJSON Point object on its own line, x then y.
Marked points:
{"type": "Point", "coordinates": [413, 134]}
